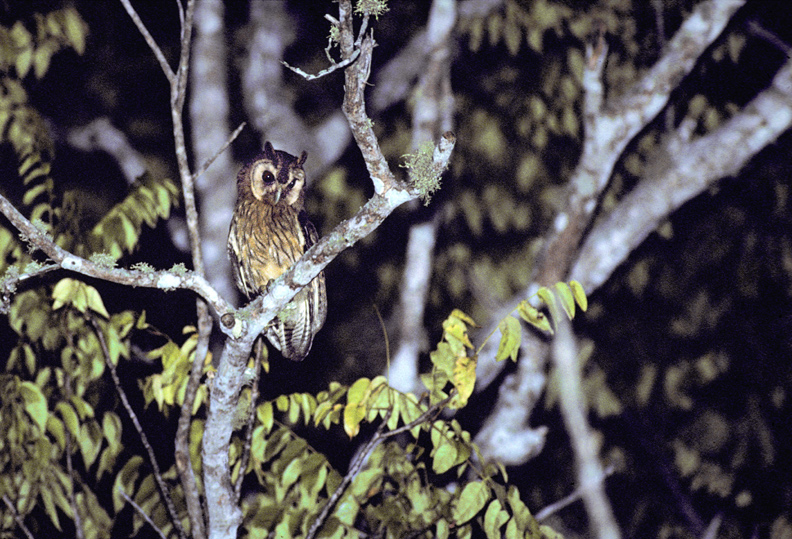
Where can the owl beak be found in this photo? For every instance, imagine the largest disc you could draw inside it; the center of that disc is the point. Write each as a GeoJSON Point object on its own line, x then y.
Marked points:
{"type": "Point", "coordinates": [278, 193]}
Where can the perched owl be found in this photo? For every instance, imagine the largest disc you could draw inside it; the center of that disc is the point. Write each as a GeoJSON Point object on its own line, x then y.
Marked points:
{"type": "Point", "coordinates": [270, 231]}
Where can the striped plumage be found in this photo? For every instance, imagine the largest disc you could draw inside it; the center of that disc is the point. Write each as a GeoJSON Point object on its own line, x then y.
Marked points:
{"type": "Point", "coordinates": [269, 232]}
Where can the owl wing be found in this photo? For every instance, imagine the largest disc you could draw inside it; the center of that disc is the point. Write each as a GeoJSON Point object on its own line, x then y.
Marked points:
{"type": "Point", "coordinates": [292, 332]}
{"type": "Point", "coordinates": [317, 286]}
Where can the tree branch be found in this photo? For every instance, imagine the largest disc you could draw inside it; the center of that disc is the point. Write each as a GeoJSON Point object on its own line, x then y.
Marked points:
{"type": "Point", "coordinates": [163, 62]}
{"type": "Point", "coordinates": [585, 446]}
{"type": "Point", "coordinates": [163, 280]}
{"type": "Point", "coordinates": [17, 518]}
{"type": "Point", "coordinates": [686, 169]}
{"type": "Point", "coordinates": [178, 94]}
{"type": "Point", "coordinates": [143, 514]}
{"type": "Point", "coordinates": [268, 100]}
{"type": "Point", "coordinates": [166, 497]}
{"type": "Point", "coordinates": [608, 127]}
{"type": "Point", "coordinates": [224, 515]}
{"type": "Point", "coordinates": [403, 371]}
{"type": "Point", "coordinates": [355, 466]}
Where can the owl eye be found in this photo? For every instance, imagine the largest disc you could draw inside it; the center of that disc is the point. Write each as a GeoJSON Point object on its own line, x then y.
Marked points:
{"type": "Point", "coordinates": [268, 177]}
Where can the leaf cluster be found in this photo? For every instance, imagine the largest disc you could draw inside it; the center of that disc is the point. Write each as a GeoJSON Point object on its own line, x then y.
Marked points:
{"type": "Point", "coordinates": [60, 435]}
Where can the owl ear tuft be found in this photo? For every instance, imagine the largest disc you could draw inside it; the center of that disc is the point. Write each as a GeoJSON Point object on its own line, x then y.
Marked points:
{"type": "Point", "coordinates": [269, 151]}
{"type": "Point", "coordinates": [303, 157]}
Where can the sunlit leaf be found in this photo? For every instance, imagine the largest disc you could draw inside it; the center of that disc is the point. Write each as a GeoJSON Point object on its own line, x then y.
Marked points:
{"type": "Point", "coordinates": [444, 458]}
{"type": "Point", "coordinates": [567, 300]}
{"type": "Point", "coordinates": [494, 519]}
{"type": "Point", "coordinates": [35, 404]}
{"type": "Point", "coordinates": [549, 299]}
{"type": "Point", "coordinates": [511, 337]}
{"type": "Point", "coordinates": [470, 502]}
{"type": "Point", "coordinates": [579, 294]}
{"type": "Point", "coordinates": [533, 316]}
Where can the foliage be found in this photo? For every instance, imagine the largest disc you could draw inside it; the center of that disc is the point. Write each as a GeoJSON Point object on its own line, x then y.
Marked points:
{"type": "Point", "coordinates": [691, 337]}
{"type": "Point", "coordinates": [62, 434]}
{"type": "Point", "coordinates": [400, 489]}
{"type": "Point", "coordinates": [148, 201]}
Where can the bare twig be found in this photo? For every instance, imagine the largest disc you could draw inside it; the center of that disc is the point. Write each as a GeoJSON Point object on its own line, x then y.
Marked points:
{"type": "Point", "coordinates": [78, 526]}
{"type": "Point", "coordinates": [142, 513]}
{"type": "Point", "coordinates": [182, 442]}
{"type": "Point", "coordinates": [334, 67]}
{"type": "Point", "coordinates": [10, 281]}
{"type": "Point", "coordinates": [379, 436]}
{"type": "Point", "coordinates": [590, 475]}
{"type": "Point", "coordinates": [17, 517]}
{"type": "Point", "coordinates": [178, 94]}
{"type": "Point", "coordinates": [712, 529]}
{"type": "Point", "coordinates": [223, 148]}
{"type": "Point", "coordinates": [166, 497]}
{"type": "Point", "coordinates": [163, 62]}
{"type": "Point", "coordinates": [354, 468]}
{"type": "Point", "coordinates": [761, 32]}
{"type": "Point", "coordinates": [568, 500]}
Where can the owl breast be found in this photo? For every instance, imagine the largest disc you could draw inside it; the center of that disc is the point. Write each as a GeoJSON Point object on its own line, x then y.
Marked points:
{"type": "Point", "coordinates": [269, 240]}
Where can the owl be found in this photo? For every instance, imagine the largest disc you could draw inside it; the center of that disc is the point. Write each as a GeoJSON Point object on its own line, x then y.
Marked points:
{"type": "Point", "coordinates": [269, 232]}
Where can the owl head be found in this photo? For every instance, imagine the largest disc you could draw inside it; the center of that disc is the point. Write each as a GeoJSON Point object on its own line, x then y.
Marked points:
{"type": "Point", "coordinates": [273, 176]}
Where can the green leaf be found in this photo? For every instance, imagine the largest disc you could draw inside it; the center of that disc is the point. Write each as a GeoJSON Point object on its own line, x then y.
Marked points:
{"type": "Point", "coordinates": [533, 316]}
{"type": "Point", "coordinates": [41, 60]}
{"type": "Point", "coordinates": [266, 416]}
{"type": "Point", "coordinates": [522, 515]}
{"type": "Point", "coordinates": [567, 300]}
{"type": "Point", "coordinates": [282, 403]}
{"type": "Point", "coordinates": [83, 408]}
{"type": "Point", "coordinates": [358, 390]}
{"type": "Point", "coordinates": [444, 458]}
{"type": "Point", "coordinates": [464, 380]}
{"type": "Point", "coordinates": [90, 441]}
{"type": "Point", "coordinates": [35, 404]}
{"type": "Point", "coordinates": [549, 299]}
{"type": "Point", "coordinates": [23, 62]}
{"type": "Point", "coordinates": [494, 519]}
{"type": "Point", "coordinates": [455, 327]}
{"type": "Point", "coordinates": [366, 481]}
{"type": "Point", "coordinates": [579, 294]}
{"type": "Point", "coordinates": [125, 482]}
{"type": "Point", "coordinates": [347, 510]}
{"type": "Point", "coordinates": [111, 428]}
{"type": "Point", "coordinates": [49, 505]}
{"type": "Point", "coordinates": [294, 408]}
{"type": "Point", "coordinates": [292, 473]}
{"type": "Point", "coordinates": [511, 337]}
{"type": "Point", "coordinates": [470, 502]}
{"type": "Point", "coordinates": [79, 295]}
{"type": "Point", "coordinates": [442, 529]}
{"type": "Point", "coordinates": [353, 415]}
{"type": "Point", "coordinates": [69, 417]}
{"type": "Point", "coordinates": [57, 430]}
{"type": "Point", "coordinates": [75, 29]}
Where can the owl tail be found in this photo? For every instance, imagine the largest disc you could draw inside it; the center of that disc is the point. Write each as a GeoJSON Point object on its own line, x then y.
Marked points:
{"type": "Point", "coordinates": [291, 331]}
